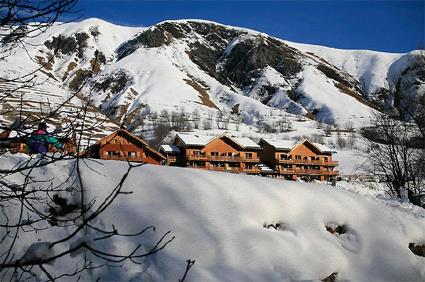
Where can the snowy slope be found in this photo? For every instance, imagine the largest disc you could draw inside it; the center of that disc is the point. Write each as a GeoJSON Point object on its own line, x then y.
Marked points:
{"type": "Point", "coordinates": [369, 67]}
{"type": "Point", "coordinates": [197, 65]}
{"type": "Point", "coordinates": [218, 220]}
{"type": "Point", "coordinates": [277, 76]}
{"type": "Point", "coordinates": [102, 35]}
{"type": "Point", "coordinates": [46, 92]}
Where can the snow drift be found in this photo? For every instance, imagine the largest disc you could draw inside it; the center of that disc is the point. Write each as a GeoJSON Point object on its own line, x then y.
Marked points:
{"type": "Point", "coordinates": [245, 228]}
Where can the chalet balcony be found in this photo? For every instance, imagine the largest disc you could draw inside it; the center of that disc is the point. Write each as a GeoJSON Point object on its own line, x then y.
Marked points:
{"type": "Point", "coordinates": [120, 158]}
{"type": "Point", "coordinates": [308, 162]}
{"type": "Point", "coordinates": [308, 172]}
{"type": "Point", "coordinates": [251, 160]}
{"type": "Point", "coordinates": [197, 157]}
{"type": "Point", "coordinates": [171, 159]}
{"type": "Point", "coordinates": [235, 169]}
{"type": "Point", "coordinates": [254, 170]}
{"type": "Point", "coordinates": [221, 168]}
{"type": "Point", "coordinates": [222, 158]}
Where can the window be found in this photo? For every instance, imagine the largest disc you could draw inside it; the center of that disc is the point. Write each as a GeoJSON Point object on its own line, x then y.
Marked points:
{"type": "Point", "coordinates": [283, 157]}
{"type": "Point", "coordinates": [248, 155]}
{"type": "Point", "coordinates": [325, 159]}
{"type": "Point", "coordinates": [199, 164]}
{"type": "Point", "coordinates": [131, 154]}
{"type": "Point", "coordinates": [196, 164]}
{"type": "Point", "coordinates": [298, 157]}
{"type": "Point", "coordinates": [112, 154]}
{"type": "Point", "coordinates": [214, 154]}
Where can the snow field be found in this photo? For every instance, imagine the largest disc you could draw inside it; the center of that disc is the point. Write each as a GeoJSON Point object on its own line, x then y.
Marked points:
{"type": "Point", "coordinates": [218, 220]}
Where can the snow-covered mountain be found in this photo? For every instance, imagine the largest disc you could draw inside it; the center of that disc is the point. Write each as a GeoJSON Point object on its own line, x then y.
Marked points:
{"type": "Point", "coordinates": [205, 66]}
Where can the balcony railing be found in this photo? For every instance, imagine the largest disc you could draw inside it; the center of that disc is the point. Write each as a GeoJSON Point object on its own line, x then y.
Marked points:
{"type": "Point", "coordinates": [120, 158]}
{"type": "Point", "coordinates": [171, 159]}
{"type": "Point", "coordinates": [251, 170]}
{"type": "Point", "coordinates": [308, 162]}
{"type": "Point", "coordinates": [308, 172]}
{"type": "Point", "coordinates": [197, 157]}
{"type": "Point", "coordinates": [230, 169]}
{"type": "Point", "coordinates": [222, 158]}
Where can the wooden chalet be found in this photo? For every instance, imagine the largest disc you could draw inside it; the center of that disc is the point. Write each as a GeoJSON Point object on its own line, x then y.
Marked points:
{"type": "Point", "coordinates": [16, 142]}
{"type": "Point", "coordinates": [220, 153]}
{"type": "Point", "coordinates": [304, 159]}
{"type": "Point", "coordinates": [171, 153]}
{"type": "Point", "coordinates": [124, 146]}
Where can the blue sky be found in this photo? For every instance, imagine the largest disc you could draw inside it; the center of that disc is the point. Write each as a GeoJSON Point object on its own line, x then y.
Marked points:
{"type": "Point", "coordinates": [391, 26]}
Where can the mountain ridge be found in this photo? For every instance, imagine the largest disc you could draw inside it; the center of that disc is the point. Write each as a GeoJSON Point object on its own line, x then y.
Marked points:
{"type": "Point", "coordinates": [202, 65]}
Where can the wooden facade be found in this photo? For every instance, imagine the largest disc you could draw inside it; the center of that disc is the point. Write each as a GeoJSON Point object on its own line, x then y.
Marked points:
{"type": "Point", "coordinates": [15, 142]}
{"type": "Point", "coordinates": [171, 154]}
{"type": "Point", "coordinates": [222, 153]}
{"type": "Point", "coordinates": [124, 146]}
{"type": "Point", "coordinates": [305, 160]}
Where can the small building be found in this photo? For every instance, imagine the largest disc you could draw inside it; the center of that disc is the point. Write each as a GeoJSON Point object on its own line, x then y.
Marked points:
{"type": "Point", "coordinates": [171, 153]}
{"type": "Point", "coordinates": [124, 146]}
{"type": "Point", "coordinates": [15, 141]}
{"type": "Point", "coordinates": [304, 159]}
{"type": "Point", "coordinates": [220, 153]}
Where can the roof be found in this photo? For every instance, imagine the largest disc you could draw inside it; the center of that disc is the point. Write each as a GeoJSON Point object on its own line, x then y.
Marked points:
{"type": "Point", "coordinates": [131, 135]}
{"type": "Point", "coordinates": [202, 140]}
{"type": "Point", "coordinates": [169, 149]}
{"type": "Point", "coordinates": [324, 148]}
{"type": "Point", "coordinates": [245, 142]}
{"type": "Point", "coordinates": [290, 144]}
{"type": "Point", "coordinates": [194, 139]}
{"type": "Point", "coordinates": [281, 144]}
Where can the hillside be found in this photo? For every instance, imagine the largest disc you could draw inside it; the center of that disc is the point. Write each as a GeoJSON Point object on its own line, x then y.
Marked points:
{"type": "Point", "coordinates": [194, 65]}
{"type": "Point", "coordinates": [237, 227]}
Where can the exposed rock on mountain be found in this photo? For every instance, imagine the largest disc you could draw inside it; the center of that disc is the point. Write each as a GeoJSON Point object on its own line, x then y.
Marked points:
{"type": "Point", "coordinates": [193, 64]}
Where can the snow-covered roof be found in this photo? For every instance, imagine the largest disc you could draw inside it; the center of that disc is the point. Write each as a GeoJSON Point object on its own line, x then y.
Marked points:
{"type": "Point", "coordinates": [324, 148]}
{"type": "Point", "coordinates": [281, 144]}
{"type": "Point", "coordinates": [290, 144]}
{"type": "Point", "coordinates": [194, 139]}
{"type": "Point", "coordinates": [202, 140]}
{"type": "Point", "coordinates": [169, 149]}
{"type": "Point", "coordinates": [245, 142]}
